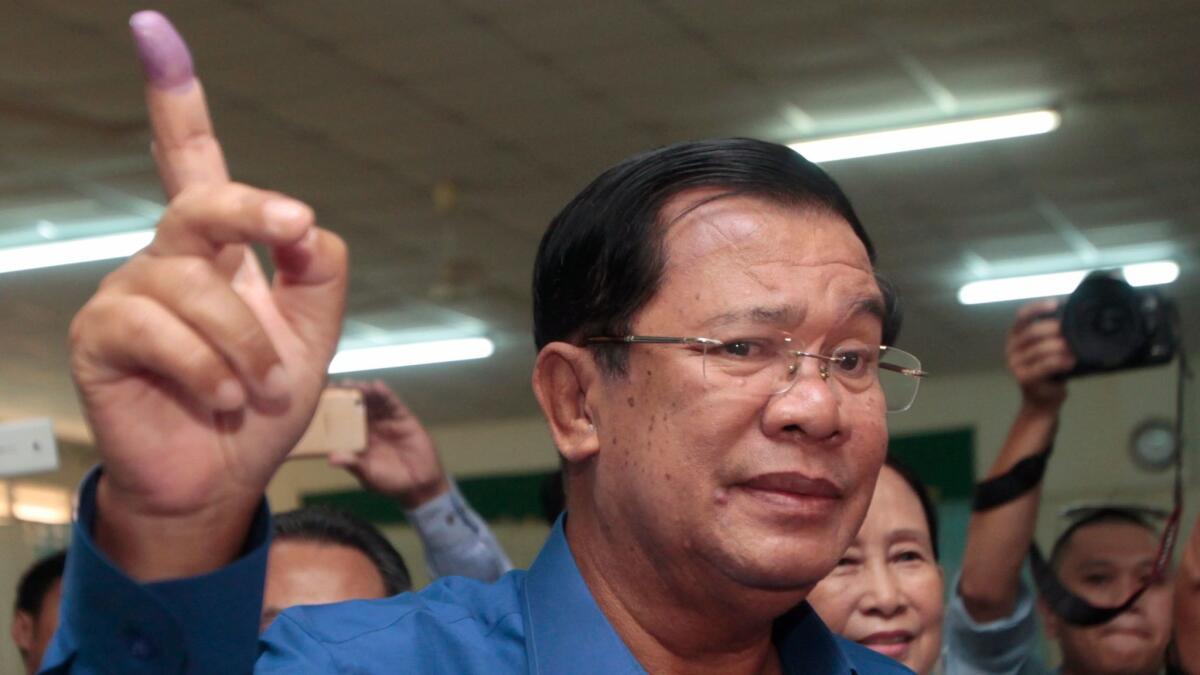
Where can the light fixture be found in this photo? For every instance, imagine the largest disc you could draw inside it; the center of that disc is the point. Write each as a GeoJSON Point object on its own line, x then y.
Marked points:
{"type": "Point", "coordinates": [72, 251]}
{"type": "Point", "coordinates": [37, 503]}
{"type": "Point", "coordinates": [1060, 283]}
{"type": "Point", "coordinates": [939, 135]}
{"type": "Point", "coordinates": [411, 354]}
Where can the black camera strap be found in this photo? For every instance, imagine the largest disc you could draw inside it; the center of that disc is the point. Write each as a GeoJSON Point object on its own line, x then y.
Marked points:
{"type": "Point", "coordinates": [1026, 474]}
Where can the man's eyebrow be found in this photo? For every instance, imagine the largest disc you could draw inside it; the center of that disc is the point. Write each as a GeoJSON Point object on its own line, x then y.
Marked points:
{"type": "Point", "coordinates": [792, 315]}
{"type": "Point", "coordinates": [1095, 564]}
{"type": "Point", "coordinates": [780, 315]}
{"type": "Point", "coordinates": [871, 305]}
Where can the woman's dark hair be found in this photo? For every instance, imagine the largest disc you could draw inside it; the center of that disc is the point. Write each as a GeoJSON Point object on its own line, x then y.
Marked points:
{"type": "Point", "coordinates": [601, 259]}
{"type": "Point", "coordinates": [324, 525]}
{"type": "Point", "coordinates": [918, 486]}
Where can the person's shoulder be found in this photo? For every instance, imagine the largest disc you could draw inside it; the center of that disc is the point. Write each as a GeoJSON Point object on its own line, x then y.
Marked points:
{"type": "Point", "coordinates": [869, 662]}
{"type": "Point", "coordinates": [454, 619]}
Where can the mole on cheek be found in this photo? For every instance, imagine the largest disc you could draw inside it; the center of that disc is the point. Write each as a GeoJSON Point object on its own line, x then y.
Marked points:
{"type": "Point", "coordinates": [631, 402]}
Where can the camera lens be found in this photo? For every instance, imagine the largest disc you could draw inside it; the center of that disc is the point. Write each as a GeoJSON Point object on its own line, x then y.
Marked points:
{"type": "Point", "coordinates": [1102, 324]}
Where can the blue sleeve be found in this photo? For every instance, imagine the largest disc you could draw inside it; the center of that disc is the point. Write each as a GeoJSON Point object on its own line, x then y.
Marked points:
{"type": "Point", "coordinates": [457, 541]}
{"type": "Point", "coordinates": [110, 623]}
{"type": "Point", "coordinates": [1006, 646]}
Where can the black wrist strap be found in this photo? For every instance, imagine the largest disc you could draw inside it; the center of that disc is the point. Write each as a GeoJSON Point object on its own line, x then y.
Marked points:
{"type": "Point", "coordinates": [1021, 478]}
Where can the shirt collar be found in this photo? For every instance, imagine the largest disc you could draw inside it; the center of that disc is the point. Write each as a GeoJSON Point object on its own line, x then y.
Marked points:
{"type": "Point", "coordinates": [567, 632]}
{"type": "Point", "coordinates": [806, 645]}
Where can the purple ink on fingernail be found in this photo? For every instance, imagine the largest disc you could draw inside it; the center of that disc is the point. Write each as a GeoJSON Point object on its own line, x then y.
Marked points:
{"type": "Point", "coordinates": [165, 56]}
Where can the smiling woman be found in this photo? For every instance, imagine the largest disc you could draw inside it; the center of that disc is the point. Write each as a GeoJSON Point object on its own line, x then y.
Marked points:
{"type": "Point", "coordinates": [886, 592]}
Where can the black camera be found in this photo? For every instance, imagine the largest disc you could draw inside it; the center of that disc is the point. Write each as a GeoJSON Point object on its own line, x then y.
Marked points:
{"type": "Point", "coordinates": [1109, 325]}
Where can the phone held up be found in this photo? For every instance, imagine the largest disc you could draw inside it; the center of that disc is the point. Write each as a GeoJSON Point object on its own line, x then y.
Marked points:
{"type": "Point", "coordinates": [339, 425]}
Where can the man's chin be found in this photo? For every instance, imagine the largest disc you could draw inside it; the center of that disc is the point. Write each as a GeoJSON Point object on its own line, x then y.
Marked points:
{"type": "Point", "coordinates": [780, 569]}
{"type": "Point", "coordinates": [1129, 660]}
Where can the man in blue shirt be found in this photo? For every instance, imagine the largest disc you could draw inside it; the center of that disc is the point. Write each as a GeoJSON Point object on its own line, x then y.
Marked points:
{"type": "Point", "coordinates": [709, 328]}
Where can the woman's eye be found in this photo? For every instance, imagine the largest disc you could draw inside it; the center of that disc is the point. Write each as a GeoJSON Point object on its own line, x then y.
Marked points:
{"type": "Point", "coordinates": [1096, 579]}
{"type": "Point", "coordinates": [847, 561]}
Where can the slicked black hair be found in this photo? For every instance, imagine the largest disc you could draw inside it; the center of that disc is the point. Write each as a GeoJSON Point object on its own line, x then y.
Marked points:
{"type": "Point", "coordinates": [601, 259]}
{"type": "Point", "coordinates": [918, 486]}
{"type": "Point", "coordinates": [324, 525]}
{"type": "Point", "coordinates": [37, 581]}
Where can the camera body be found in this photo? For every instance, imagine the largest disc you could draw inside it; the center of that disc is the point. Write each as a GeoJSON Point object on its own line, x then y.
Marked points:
{"type": "Point", "coordinates": [1109, 325]}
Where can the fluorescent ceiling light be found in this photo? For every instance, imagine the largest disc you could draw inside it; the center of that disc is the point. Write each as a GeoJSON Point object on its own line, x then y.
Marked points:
{"type": "Point", "coordinates": [40, 504]}
{"type": "Point", "coordinates": [929, 136]}
{"type": "Point", "coordinates": [72, 251]}
{"type": "Point", "coordinates": [412, 354]}
{"type": "Point", "coordinates": [1151, 273]}
{"type": "Point", "coordinates": [1060, 283]}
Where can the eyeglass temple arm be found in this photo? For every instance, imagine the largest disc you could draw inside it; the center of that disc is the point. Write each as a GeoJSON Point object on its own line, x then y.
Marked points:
{"type": "Point", "coordinates": [911, 372]}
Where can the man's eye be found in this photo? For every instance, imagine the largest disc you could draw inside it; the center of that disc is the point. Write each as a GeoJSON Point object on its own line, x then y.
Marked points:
{"type": "Point", "coordinates": [747, 348]}
{"type": "Point", "coordinates": [1096, 579]}
{"type": "Point", "coordinates": [737, 348]}
{"type": "Point", "coordinates": [852, 361]}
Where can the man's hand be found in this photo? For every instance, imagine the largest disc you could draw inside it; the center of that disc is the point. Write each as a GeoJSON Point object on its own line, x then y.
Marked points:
{"type": "Point", "coordinates": [1036, 353]}
{"type": "Point", "coordinates": [196, 373]}
{"type": "Point", "coordinates": [401, 460]}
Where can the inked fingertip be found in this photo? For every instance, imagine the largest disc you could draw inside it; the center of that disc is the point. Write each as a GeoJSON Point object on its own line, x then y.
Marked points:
{"type": "Point", "coordinates": [165, 58]}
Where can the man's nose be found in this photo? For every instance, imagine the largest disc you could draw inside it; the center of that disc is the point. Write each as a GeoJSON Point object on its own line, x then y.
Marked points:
{"type": "Point", "coordinates": [811, 405]}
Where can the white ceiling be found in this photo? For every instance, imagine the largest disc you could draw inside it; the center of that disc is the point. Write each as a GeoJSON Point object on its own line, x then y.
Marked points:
{"type": "Point", "coordinates": [362, 108]}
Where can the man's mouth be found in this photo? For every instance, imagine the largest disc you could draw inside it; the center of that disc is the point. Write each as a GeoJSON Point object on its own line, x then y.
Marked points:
{"type": "Point", "coordinates": [792, 491]}
{"type": "Point", "coordinates": [1127, 631]}
{"type": "Point", "coordinates": [894, 643]}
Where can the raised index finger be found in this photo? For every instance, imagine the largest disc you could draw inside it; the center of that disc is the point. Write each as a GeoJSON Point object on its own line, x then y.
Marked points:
{"type": "Point", "coordinates": [185, 148]}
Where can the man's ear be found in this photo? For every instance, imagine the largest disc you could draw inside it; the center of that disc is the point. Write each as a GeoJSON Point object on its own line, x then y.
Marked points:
{"type": "Point", "coordinates": [1051, 623]}
{"type": "Point", "coordinates": [562, 379]}
{"type": "Point", "coordinates": [22, 631]}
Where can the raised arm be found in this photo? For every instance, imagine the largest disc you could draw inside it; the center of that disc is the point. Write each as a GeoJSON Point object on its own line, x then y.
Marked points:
{"type": "Point", "coordinates": [998, 539]}
{"type": "Point", "coordinates": [401, 461]}
{"type": "Point", "coordinates": [196, 373]}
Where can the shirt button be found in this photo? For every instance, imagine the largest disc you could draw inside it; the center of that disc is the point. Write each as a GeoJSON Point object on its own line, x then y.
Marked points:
{"type": "Point", "coordinates": [139, 646]}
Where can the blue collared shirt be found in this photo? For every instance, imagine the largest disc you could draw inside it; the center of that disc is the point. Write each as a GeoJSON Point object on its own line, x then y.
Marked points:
{"type": "Point", "coordinates": [544, 621]}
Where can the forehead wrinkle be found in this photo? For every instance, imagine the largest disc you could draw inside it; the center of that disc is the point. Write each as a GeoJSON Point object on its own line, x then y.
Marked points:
{"type": "Point", "coordinates": [792, 314]}
{"type": "Point", "coordinates": [734, 225]}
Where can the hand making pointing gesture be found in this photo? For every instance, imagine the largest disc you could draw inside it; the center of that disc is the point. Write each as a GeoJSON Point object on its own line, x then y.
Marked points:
{"type": "Point", "coordinates": [196, 372]}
